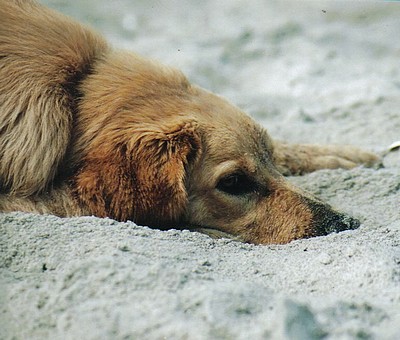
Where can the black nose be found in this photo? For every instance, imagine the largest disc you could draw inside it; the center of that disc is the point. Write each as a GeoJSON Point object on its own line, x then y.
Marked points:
{"type": "Point", "coordinates": [338, 222]}
{"type": "Point", "coordinates": [326, 220]}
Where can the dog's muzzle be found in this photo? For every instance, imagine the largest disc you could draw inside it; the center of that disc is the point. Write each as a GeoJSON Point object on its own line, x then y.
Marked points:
{"type": "Point", "coordinates": [326, 220]}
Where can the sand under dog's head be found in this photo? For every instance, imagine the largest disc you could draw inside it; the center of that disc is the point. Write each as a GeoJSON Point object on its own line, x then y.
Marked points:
{"type": "Point", "coordinates": [167, 153]}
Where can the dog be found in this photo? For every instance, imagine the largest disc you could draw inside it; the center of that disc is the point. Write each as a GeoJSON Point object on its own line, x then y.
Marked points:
{"type": "Point", "coordinates": [88, 130]}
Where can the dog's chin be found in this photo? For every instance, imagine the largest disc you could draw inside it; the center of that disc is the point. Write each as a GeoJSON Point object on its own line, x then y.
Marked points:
{"type": "Point", "coordinates": [216, 234]}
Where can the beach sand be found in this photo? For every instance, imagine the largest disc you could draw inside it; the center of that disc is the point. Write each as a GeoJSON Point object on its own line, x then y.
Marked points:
{"type": "Point", "coordinates": [315, 72]}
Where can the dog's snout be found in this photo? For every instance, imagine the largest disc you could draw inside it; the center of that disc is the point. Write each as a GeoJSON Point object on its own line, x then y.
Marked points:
{"type": "Point", "coordinates": [326, 220]}
{"type": "Point", "coordinates": [339, 222]}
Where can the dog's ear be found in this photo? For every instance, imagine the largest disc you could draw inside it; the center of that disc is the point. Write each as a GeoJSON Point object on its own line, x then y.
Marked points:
{"type": "Point", "coordinates": [143, 178]}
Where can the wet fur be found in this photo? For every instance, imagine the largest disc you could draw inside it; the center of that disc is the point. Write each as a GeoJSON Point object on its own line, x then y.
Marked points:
{"type": "Point", "coordinates": [87, 130]}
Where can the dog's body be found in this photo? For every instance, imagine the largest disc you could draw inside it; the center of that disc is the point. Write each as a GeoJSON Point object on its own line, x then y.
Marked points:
{"type": "Point", "coordinates": [86, 130]}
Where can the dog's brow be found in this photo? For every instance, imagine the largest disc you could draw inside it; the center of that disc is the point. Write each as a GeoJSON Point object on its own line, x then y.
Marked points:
{"type": "Point", "coordinates": [245, 165]}
{"type": "Point", "coordinates": [224, 168]}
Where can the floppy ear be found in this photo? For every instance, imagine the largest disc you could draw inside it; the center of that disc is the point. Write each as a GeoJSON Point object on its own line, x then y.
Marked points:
{"type": "Point", "coordinates": [143, 178]}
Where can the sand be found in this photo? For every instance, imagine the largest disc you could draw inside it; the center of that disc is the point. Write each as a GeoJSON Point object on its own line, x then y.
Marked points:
{"type": "Point", "coordinates": [318, 72]}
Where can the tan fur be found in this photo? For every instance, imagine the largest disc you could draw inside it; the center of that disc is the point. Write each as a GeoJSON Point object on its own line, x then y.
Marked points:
{"type": "Point", "coordinates": [42, 57]}
{"type": "Point", "coordinates": [88, 130]}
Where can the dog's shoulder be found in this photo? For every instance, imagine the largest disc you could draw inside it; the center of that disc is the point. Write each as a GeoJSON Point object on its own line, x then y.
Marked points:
{"type": "Point", "coordinates": [44, 57]}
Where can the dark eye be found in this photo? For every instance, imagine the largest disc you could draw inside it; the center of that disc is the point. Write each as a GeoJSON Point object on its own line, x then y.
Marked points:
{"type": "Point", "coordinates": [236, 184]}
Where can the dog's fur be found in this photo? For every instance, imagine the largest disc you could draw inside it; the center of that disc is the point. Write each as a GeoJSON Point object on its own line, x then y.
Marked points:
{"type": "Point", "coordinates": [87, 130]}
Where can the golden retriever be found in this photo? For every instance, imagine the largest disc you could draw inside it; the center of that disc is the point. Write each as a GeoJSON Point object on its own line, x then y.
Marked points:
{"type": "Point", "coordinates": [87, 130]}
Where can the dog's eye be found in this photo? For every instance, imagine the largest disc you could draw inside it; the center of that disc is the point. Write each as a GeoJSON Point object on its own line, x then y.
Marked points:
{"type": "Point", "coordinates": [236, 184]}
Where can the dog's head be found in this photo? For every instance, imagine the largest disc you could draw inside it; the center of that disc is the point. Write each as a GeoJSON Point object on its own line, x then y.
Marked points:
{"type": "Point", "coordinates": [164, 153]}
{"type": "Point", "coordinates": [234, 188]}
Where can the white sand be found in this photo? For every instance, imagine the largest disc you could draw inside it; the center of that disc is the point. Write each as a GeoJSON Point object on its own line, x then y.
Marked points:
{"type": "Point", "coordinates": [308, 76]}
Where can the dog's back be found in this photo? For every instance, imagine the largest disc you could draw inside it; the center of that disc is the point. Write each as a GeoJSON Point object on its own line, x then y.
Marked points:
{"type": "Point", "coordinates": [43, 56]}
